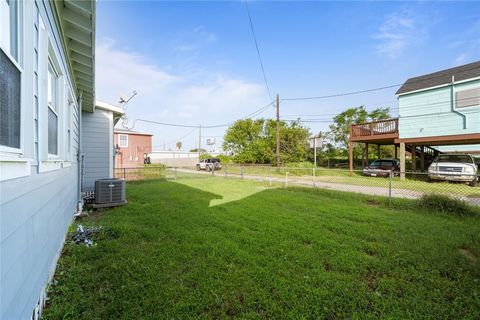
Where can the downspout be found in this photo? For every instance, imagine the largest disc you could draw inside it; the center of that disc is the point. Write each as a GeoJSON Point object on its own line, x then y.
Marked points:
{"type": "Point", "coordinates": [453, 104]}
{"type": "Point", "coordinates": [80, 157]}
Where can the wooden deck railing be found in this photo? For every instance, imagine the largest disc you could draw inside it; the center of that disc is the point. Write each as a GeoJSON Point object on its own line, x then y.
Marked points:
{"type": "Point", "coordinates": [375, 128]}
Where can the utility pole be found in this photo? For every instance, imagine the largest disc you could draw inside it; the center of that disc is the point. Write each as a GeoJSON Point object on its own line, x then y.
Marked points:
{"type": "Point", "coordinates": [278, 130]}
{"type": "Point", "coordinates": [199, 141]}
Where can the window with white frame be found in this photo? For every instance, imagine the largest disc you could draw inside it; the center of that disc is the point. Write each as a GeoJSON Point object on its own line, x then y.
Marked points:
{"type": "Point", "coordinates": [9, 19]}
{"type": "Point", "coordinates": [123, 140]}
{"type": "Point", "coordinates": [52, 100]}
{"type": "Point", "coordinates": [10, 71]}
{"type": "Point", "coordinates": [70, 107]}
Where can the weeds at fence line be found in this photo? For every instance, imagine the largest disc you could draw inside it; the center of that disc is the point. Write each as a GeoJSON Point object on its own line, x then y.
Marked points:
{"type": "Point", "coordinates": [413, 186]}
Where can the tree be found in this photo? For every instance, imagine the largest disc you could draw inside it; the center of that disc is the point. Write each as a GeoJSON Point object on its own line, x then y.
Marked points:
{"type": "Point", "coordinates": [253, 141]}
{"type": "Point", "coordinates": [179, 145]}
{"type": "Point", "coordinates": [340, 128]}
{"type": "Point", "coordinates": [196, 150]}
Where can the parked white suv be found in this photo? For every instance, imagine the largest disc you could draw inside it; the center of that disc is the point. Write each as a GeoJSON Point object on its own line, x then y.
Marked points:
{"type": "Point", "coordinates": [454, 167]}
{"type": "Point", "coordinates": [209, 164]}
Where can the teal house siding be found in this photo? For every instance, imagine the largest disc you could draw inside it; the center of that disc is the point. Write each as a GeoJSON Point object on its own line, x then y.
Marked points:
{"type": "Point", "coordinates": [432, 112]}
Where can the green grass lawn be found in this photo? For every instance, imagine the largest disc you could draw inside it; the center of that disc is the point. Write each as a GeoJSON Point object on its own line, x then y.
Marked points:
{"type": "Point", "coordinates": [215, 248]}
{"type": "Point", "coordinates": [414, 181]}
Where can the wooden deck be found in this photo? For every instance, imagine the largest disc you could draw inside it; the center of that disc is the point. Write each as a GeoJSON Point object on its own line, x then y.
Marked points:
{"type": "Point", "coordinates": [378, 132]}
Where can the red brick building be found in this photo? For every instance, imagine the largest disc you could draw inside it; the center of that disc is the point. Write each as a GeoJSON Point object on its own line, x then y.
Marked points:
{"type": "Point", "coordinates": [131, 148]}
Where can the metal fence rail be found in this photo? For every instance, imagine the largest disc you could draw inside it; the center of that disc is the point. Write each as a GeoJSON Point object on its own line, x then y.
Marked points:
{"type": "Point", "coordinates": [414, 185]}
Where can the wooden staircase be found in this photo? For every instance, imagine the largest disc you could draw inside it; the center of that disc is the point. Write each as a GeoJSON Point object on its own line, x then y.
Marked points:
{"type": "Point", "coordinates": [429, 154]}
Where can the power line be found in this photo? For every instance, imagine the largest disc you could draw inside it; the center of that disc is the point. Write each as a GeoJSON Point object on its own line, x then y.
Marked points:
{"type": "Point", "coordinates": [341, 94]}
{"type": "Point", "coordinates": [258, 50]}
{"type": "Point", "coordinates": [410, 81]}
{"type": "Point", "coordinates": [255, 113]}
{"type": "Point", "coordinates": [183, 137]}
{"type": "Point", "coordinates": [329, 120]}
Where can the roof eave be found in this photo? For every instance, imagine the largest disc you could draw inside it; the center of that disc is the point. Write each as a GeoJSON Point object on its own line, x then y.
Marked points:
{"type": "Point", "coordinates": [77, 23]}
{"type": "Point", "coordinates": [117, 111]}
{"type": "Point", "coordinates": [434, 87]}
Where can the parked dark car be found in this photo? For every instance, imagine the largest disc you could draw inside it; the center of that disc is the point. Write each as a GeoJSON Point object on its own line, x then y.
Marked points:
{"type": "Point", "coordinates": [382, 168]}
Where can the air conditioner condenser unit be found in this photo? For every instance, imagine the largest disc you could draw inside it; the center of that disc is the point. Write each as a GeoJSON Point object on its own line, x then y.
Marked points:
{"type": "Point", "coordinates": [109, 193]}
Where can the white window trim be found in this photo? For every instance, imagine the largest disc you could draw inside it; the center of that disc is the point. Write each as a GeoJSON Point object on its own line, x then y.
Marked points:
{"type": "Point", "coordinates": [69, 104]}
{"type": "Point", "coordinates": [6, 150]}
{"type": "Point", "coordinates": [14, 167]}
{"type": "Point", "coordinates": [120, 140]}
{"type": "Point", "coordinates": [57, 99]}
{"type": "Point", "coordinates": [53, 162]}
{"type": "Point", "coordinates": [12, 163]}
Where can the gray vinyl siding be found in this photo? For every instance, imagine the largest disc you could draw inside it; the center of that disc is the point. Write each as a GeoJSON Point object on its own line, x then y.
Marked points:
{"type": "Point", "coordinates": [35, 214]}
{"type": "Point", "coordinates": [35, 210]}
{"type": "Point", "coordinates": [97, 146]}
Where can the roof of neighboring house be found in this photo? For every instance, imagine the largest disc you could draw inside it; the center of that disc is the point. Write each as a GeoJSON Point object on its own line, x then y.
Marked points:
{"type": "Point", "coordinates": [465, 72]}
{"type": "Point", "coordinates": [77, 23]}
{"type": "Point", "coordinates": [123, 131]}
{"type": "Point", "coordinates": [106, 106]}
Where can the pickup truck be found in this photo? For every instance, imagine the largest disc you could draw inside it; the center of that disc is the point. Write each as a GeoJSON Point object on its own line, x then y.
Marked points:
{"type": "Point", "coordinates": [454, 167]}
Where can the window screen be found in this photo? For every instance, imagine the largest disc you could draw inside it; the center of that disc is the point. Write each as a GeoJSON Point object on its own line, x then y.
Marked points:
{"type": "Point", "coordinates": [9, 103]}
{"type": "Point", "coordinates": [468, 98]}
{"type": "Point", "coordinates": [52, 132]}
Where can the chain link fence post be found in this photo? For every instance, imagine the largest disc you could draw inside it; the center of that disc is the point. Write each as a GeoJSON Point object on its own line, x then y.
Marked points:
{"type": "Point", "coordinates": [124, 174]}
{"type": "Point", "coordinates": [286, 179]}
{"type": "Point", "coordinates": [390, 175]}
{"type": "Point", "coordinates": [175, 177]}
{"type": "Point", "coordinates": [226, 170]}
{"type": "Point", "coordinates": [213, 170]}
{"type": "Point", "coordinates": [313, 169]}
{"type": "Point", "coordinates": [241, 171]}
{"type": "Point", "coordinates": [270, 176]}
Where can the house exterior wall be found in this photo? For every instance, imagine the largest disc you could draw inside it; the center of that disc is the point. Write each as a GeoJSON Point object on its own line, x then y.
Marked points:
{"type": "Point", "coordinates": [174, 158]}
{"type": "Point", "coordinates": [97, 142]}
{"type": "Point", "coordinates": [38, 192]}
{"type": "Point", "coordinates": [432, 113]}
{"type": "Point", "coordinates": [132, 155]}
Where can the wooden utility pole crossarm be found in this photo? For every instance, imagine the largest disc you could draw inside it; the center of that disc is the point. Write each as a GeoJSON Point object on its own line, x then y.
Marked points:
{"type": "Point", "coordinates": [278, 130]}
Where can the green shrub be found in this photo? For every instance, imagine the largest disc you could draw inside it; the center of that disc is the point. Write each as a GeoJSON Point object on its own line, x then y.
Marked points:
{"type": "Point", "coordinates": [447, 205]}
{"type": "Point", "coordinates": [298, 165]}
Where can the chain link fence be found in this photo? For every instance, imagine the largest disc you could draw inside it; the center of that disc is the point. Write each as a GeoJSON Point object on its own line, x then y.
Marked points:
{"type": "Point", "coordinates": [399, 185]}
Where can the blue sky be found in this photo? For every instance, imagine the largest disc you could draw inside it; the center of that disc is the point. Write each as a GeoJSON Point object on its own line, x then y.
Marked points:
{"type": "Point", "coordinates": [195, 62]}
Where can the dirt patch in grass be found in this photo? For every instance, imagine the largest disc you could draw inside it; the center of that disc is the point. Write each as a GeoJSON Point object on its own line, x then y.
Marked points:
{"type": "Point", "coordinates": [372, 202]}
{"type": "Point", "coordinates": [370, 281]}
{"type": "Point", "coordinates": [468, 254]}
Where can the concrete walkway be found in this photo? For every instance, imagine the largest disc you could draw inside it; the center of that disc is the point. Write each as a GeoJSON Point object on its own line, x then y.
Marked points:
{"type": "Point", "coordinates": [370, 190]}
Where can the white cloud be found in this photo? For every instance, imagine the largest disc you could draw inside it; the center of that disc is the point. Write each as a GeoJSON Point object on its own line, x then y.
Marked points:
{"type": "Point", "coordinates": [397, 32]}
{"type": "Point", "coordinates": [200, 97]}
{"type": "Point", "coordinates": [205, 34]}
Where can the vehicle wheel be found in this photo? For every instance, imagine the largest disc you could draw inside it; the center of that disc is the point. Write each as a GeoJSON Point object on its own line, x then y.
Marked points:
{"type": "Point", "coordinates": [473, 183]}
{"type": "Point", "coordinates": [208, 168]}
{"type": "Point", "coordinates": [198, 168]}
